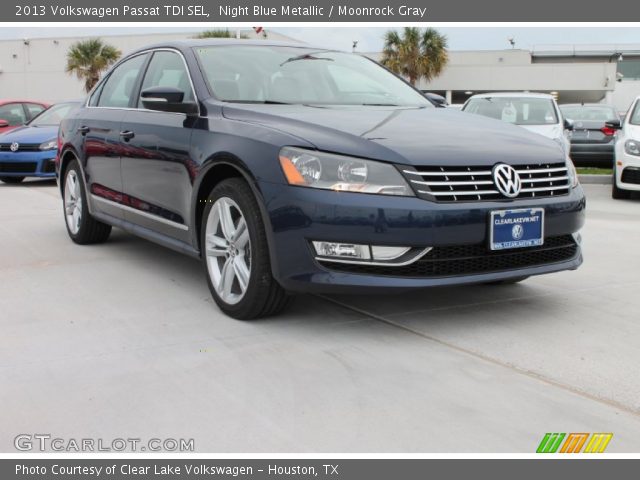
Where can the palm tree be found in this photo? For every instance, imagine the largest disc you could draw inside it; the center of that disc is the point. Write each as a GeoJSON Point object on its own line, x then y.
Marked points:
{"type": "Point", "coordinates": [416, 53]}
{"type": "Point", "coordinates": [89, 58]}
{"type": "Point", "coordinates": [219, 33]}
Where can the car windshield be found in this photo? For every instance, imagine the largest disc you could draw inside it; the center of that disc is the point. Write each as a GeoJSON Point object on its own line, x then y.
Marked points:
{"type": "Point", "coordinates": [52, 116]}
{"type": "Point", "coordinates": [589, 112]}
{"type": "Point", "coordinates": [516, 110]}
{"type": "Point", "coordinates": [292, 75]}
{"type": "Point", "coordinates": [634, 117]}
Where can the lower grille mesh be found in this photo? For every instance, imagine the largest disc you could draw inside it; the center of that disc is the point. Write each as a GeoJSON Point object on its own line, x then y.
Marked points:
{"type": "Point", "coordinates": [471, 259]}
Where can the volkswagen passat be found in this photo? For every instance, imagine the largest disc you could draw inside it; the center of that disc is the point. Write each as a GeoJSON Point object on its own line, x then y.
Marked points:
{"type": "Point", "coordinates": [287, 168]}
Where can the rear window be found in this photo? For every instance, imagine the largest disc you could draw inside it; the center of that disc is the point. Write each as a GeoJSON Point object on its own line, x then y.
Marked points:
{"type": "Point", "coordinates": [589, 113]}
{"type": "Point", "coordinates": [516, 110]}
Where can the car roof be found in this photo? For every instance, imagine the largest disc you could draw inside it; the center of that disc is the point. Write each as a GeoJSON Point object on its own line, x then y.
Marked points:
{"type": "Point", "coordinates": [512, 94]}
{"type": "Point", "coordinates": [4, 101]}
{"type": "Point", "coordinates": [210, 42]}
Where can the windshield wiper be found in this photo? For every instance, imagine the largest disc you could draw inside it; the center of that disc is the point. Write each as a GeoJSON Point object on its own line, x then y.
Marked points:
{"type": "Point", "coordinates": [261, 102]}
{"type": "Point", "coordinates": [380, 104]}
{"type": "Point", "coordinates": [307, 56]}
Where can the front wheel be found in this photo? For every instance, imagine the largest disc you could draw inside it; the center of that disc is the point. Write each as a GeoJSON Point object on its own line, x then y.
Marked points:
{"type": "Point", "coordinates": [12, 180]}
{"type": "Point", "coordinates": [235, 254]}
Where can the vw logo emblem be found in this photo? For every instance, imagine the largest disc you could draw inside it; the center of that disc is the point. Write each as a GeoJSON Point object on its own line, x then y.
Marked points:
{"type": "Point", "coordinates": [506, 180]}
{"type": "Point", "coordinates": [14, 146]}
{"type": "Point", "coordinates": [517, 231]}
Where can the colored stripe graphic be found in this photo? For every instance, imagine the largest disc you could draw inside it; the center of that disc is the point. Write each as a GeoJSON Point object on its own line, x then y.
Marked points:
{"type": "Point", "coordinates": [598, 442]}
{"type": "Point", "coordinates": [550, 443]}
{"type": "Point", "coordinates": [574, 443]}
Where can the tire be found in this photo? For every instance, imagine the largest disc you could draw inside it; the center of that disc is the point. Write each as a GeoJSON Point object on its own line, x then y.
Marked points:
{"type": "Point", "coordinates": [235, 254]}
{"type": "Point", "coordinates": [83, 229]}
{"type": "Point", "coordinates": [619, 193]}
{"type": "Point", "coordinates": [12, 180]}
{"type": "Point", "coordinates": [508, 281]}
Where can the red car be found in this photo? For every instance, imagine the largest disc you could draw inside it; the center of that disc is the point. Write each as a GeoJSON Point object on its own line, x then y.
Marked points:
{"type": "Point", "coordinates": [14, 113]}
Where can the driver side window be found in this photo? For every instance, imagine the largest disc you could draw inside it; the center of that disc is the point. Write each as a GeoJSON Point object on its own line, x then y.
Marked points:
{"type": "Point", "coordinates": [167, 69]}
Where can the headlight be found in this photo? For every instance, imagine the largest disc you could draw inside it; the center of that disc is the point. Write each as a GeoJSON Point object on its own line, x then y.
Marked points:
{"type": "Point", "coordinates": [313, 169]}
{"type": "Point", "coordinates": [632, 147]}
{"type": "Point", "coordinates": [572, 173]}
{"type": "Point", "coordinates": [50, 145]}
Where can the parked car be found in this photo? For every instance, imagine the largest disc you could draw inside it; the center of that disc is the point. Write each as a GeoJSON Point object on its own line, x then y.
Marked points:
{"type": "Point", "coordinates": [287, 168]}
{"type": "Point", "coordinates": [592, 141]}
{"type": "Point", "coordinates": [537, 112]}
{"type": "Point", "coordinates": [30, 150]}
{"type": "Point", "coordinates": [437, 100]}
{"type": "Point", "coordinates": [626, 168]}
{"type": "Point", "coordinates": [14, 113]}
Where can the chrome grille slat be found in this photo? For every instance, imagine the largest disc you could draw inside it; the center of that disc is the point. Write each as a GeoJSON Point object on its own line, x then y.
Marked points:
{"type": "Point", "coordinates": [475, 183]}
{"type": "Point", "coordinates": [470, 182]}
{"type": "Point", "coordinates": [452, 193]}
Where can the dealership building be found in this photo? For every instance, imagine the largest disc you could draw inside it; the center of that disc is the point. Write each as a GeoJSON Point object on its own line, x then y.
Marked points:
{"type": "Point", "coordinates": [35, 69]}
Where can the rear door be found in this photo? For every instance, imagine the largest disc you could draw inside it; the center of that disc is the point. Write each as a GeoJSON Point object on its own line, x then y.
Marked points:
{"type": "Point", "coordinates": [157, 166]}
{"type": "Point", "coordinates": [100, 124]}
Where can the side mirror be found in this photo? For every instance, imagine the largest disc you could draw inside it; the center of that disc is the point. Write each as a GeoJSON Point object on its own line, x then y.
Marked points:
{"type": "Point", "coordinates": [3, 123]}
{"type": "Point", "coordinates": [167, 99]}
{"type": "Point", "coordinates": [613, 123]}
{"type": "Point", "coordinates": [568, 124]}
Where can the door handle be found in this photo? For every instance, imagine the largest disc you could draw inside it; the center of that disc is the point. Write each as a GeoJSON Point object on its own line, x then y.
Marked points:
{"type": "Point", "coordinates": [127, 135]}
{"type": "Point", "coordinates": [83, 130]}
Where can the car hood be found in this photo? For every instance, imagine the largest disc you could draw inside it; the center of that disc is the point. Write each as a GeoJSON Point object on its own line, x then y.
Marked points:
{"type": "Point", "coordinates": [27, 134]}
{"type": "Point", "coordinates": [416, 136]}
{"type": "Point", "coordinates": [549, 131]}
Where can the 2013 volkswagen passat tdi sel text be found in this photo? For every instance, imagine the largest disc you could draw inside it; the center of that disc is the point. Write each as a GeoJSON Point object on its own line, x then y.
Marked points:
{"type": "Point", "coordinates": [289, 169]}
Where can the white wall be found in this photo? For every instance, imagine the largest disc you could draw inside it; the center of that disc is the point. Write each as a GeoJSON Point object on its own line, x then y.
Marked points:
{"type": "Point", "coordinates": [37, 71]}
{"type": "Point", "coordinates": [625, 93]}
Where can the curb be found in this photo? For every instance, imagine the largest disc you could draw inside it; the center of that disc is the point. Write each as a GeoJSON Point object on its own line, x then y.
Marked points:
{"type": "Point", "coordinates": [595, 179]}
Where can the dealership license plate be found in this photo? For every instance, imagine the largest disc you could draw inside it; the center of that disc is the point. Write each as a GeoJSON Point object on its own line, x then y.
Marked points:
{"type": "Point", "coordinates": [516, 228]}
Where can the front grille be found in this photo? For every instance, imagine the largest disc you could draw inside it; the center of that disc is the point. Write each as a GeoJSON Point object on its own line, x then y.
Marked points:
{"type": "Point", "coordinates": [22, 147]}
{"type": "Point", "coordinates": [474, 183]}
{"type": "Point", "coordinates": [631, 175]}
{"type": "Point", "coordinates": [18, 167]}
{"type": "Point", "coordinates": [461, 260]}
{"type": "Point", "coordinates": [49, 166]}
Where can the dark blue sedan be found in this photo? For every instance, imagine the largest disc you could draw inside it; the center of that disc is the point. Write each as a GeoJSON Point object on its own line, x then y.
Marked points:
{"type": "Point", "coordinates": [30, 150]}
{"type": "Point", "coordinates": [287, 168]}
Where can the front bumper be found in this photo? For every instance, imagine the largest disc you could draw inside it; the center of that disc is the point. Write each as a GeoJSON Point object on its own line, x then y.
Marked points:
{"type": "Point", "coordinates": [627, 170]}
{"type": "Point", "coordinates": [298, 215]}
{"type": "Point", "coordinates": [28, 164]}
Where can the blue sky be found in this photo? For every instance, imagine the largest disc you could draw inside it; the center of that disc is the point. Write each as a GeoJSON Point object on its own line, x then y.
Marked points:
{"type": "Point", "coordinates": [370, 38]}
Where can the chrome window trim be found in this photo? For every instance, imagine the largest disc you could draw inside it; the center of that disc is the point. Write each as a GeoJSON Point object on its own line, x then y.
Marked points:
{"type": "Point", "coordinates": [151, 50]}
{"type": "Point", "coordinates": [142, 213]}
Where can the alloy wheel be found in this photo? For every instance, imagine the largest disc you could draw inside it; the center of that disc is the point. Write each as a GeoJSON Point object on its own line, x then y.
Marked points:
{"type": "Point", "coordinates": [73, 202]}
{"type": "Point", "coordinates": [228, 250]}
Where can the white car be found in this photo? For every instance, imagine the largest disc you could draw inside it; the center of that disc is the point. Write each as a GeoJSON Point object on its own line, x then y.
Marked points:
{"type": "Point", "coordinates": [537, 112]}
{"type": "Point", "coordinates": [626, 167]}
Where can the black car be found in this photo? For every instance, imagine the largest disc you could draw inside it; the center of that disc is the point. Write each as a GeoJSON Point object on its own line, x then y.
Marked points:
{"type": "Point", "coordinates": [288, 168]}
{"type": "Point", "coordinates": [592, 140]}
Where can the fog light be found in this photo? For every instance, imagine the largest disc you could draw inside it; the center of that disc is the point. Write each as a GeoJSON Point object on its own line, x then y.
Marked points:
{"type": "Point", "coordinates": [388, 253]}
{"type": "Point", "coordinates": [342, 250]}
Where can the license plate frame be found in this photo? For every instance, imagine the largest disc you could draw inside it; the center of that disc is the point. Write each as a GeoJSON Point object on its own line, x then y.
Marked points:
{"type": "Point", "coordinates": [530, 234]}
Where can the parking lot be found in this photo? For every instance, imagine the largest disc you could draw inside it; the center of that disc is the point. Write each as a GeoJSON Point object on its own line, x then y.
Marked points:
{"type": "Point", "coordinates": [124, 340]}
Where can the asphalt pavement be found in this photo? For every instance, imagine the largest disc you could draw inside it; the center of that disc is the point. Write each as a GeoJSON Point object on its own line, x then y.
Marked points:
{"type": "Point", "coordinates": [122, 340]}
